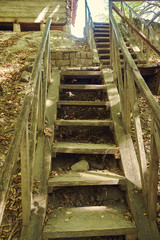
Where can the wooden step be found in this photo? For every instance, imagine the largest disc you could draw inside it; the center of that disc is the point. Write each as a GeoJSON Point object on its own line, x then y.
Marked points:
{"type": "Point", "coordinates": [80, 122]}
{"type": "Point", "coordinates": [103, 44]}
{"type": "Point", "coordinates": [101, 24]}
{"type": "Point", "coordinates": [88, 221]}
{"type": "Point", "coordinates": [103, 50]}
{"type": "Point", "coordinates": [82, 87]}
{"type": "Point", "coordinates": [102, 39]}
{"type": "Point", "coordinates": [101, 29]}
{"type": "Point", "coordinates": [107, 61]}
{"type": "Point", "coordinates": [107, 55]}
{"type": "Point", "coordinates": [83, 103]}
{"type": "Point", "coordinates": [101, 34]}
{"type": "Point", "coordinates": [89, 178]}
{"type": "Point", "coordinates": [84, 148]}
{"type": "Point", "coordinates": [104, 56]}
{"type": "Point", "coordinates": [81, 74]}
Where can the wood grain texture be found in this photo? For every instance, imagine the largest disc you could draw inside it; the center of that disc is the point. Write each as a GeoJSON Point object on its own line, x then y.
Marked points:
{"type": "Point", "coordinates": [89, 221]}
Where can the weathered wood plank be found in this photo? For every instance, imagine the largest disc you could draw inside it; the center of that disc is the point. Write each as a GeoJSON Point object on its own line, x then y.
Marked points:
{"type": "Point", "coordinates": [86, 179]}
{"type": "Point", "coordinates": [146, 230]}
{"type": "Point", "coordinates": [138, 131]}
{"type": "Point", "coordinates": [89, 221]}
{"type": "Point", "coordinates": [86, 148]}
{"type": "Point", "coordinates": [79, 122]}
{"type": "Point", "coordinates": [153, 176]}
{"type": "Point", "coordinates": [84, 103]}
{"type": "Point", "coordinates": [80, 74]}
{"type": "Point", "coordinates": [25, 178]}
{"type": "Point", "coordinates": [34, 230]}
{"type": "Point", "coordinates": [82, 87]}
{"type": "Point", "coordinates": [128, 155]}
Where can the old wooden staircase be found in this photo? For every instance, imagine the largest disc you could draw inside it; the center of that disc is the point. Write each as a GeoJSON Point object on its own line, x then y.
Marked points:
{"type": "Point", "coordinates": [109, 219]}
{"type": "Point", "coordinates": [102, 40]}
{"type": "Point", "coordinates": [83, 176]}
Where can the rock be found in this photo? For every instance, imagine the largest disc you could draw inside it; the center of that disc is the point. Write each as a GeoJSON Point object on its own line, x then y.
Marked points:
{"type": "Point", "coordinates": [80, 166]}
{"type": "Point", "coordinates": [25, 76]}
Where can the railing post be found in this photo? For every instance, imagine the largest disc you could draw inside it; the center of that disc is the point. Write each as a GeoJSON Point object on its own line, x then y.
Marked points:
{"type": "Point", "coordinates": [138, 132]}
{"type": "Point", "coordinates": [25, 179]}
{"type": "Point", "coordinates": [111, 33]}
{"type": "Point", "coordinates": [33, 130]}
{"type": "Point", "coordinates": [142, 43]}
{"type": "Point", "coordinates": [147, 51]}
{"type": "Point", "coordinates": [86, 20]}
{"type": "Point", "coordinates": [153, 172]}
{"type": "Point", "coordinates": [127, 102]}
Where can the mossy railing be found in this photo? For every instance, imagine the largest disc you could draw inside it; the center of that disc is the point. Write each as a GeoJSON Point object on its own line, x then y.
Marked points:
{"type": "Point", "coordinates": [29, 126]}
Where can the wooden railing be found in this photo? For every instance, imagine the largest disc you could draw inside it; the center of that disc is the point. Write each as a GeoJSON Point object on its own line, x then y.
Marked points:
{"type": "Point", "coordinates": [89, 33]}
{"type": "Point", "coordinates": [140, 34]}
{"type": "Point", "coordinates": [29, 126]}
{"type": "Point", "coordinates": [127, 83]}
{"type": "Point", "coordinates": [151, 36]}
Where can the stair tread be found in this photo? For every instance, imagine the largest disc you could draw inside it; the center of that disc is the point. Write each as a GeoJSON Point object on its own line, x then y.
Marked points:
{"type": "Point", "coordinates": [82, 86]}
{"type": "Point", "coordinates": [81, 73]}
{"type": "Point", "coordinates": [88, 221]}
{"type": "Point", "coordinates": [101, 29]}
{"type": "Point", "coordinates": [99, 38]}
{"type": "Point", "coordinates": [102, 32]}
{"type": "Point", "coordinates": [83, 103]}
{"type": "Point", "coordinates": [86, 148]}
{"type": "Point", "coordinates": [86, 179]}
{"type": "Point", "coordinates": [79, 122]}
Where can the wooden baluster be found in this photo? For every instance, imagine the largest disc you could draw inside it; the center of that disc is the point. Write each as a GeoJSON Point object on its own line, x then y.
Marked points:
{"type": "Point", "coordinates": [33, 128]}
{"type": "Point", "coordinates": [49, 60]}
{"type": "Point", "coordinates": [45, 79]}
{"type": "Point", "coordinates": [138, 132]}
{"type": "Point", "coordinates": [142, 43]}
{"type": "Point", "coordinates": [153, 172]}
{"type": "Point", "coordinates": [126, 102]}
{"type": "Point", "coordinates": [130, 18]}
{"type": "Point", "coordinates": [147, 50]}
{"type": "Point", "coordinates": [120, 80]}
{"type": "Point", "coordinates": [115, 62]}
{"type": "Point", "coordinates": [111, 44]}
{"type": "Point", "coordinates": [25, 178]}
{"type": "Point", "coordinates": [40, 110]}
{"type": "Point", "coordinates": [86, 20]}
{"type": "Point", "coordinates": [114, 59]}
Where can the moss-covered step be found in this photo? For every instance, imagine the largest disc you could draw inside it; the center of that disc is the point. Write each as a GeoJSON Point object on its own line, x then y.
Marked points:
{"type": "Point", "coordinates": [82, 87]}
{"type": "Point", "coordinates": [88, 221]}
{"type": "Point", "coordinates": [84, 148]}
{"type": "Point", "coordinates": [83, 103]}
{"type": "Point", "coordinates": [86, 178]}
{"type": "Point", "coordinates": [90, 122]}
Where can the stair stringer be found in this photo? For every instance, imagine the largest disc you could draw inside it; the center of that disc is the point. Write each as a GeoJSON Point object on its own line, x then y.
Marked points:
{"type": "Point", "coordinates": [146, 230]}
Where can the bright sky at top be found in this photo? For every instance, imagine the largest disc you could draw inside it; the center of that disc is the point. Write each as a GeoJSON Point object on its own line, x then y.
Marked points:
{"type": "Point", "coordinates": [97, 8]}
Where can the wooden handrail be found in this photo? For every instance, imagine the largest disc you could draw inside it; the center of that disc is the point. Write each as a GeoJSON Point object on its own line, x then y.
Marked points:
{"type": "Point", "coordinates": [141, 35]}
{"type": "Point", "coordinates": [138, 78]}
{"type": "Point", "coordinates": [149, 179]}
{"type": "Point", "coordinates": [20, 126]}
{"type": "Point", "coordinates": [144, 23]}
{"type": "Point", "coordinates": [89, 28]}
